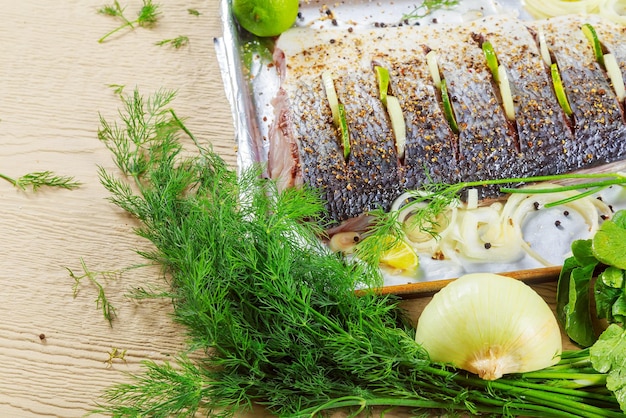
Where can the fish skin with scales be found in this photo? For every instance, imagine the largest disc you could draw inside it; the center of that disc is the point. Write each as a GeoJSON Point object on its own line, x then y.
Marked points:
{"type": "Point", "coordinates": [430, 141]}
{"type": "Point", "coordinates": [305, 147]}
{"type": "Point", "coordinates": [599, 124]}
{"type": "Point", "coordinates": [542, 127]}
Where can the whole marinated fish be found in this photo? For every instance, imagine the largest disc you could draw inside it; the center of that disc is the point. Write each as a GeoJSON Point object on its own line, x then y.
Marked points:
{"type": "Point", "coordinates": [481, 141]}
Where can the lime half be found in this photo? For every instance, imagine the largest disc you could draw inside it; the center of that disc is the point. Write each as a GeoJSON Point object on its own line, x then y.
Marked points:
{"type": "Point", "coordinates": [265, 18]}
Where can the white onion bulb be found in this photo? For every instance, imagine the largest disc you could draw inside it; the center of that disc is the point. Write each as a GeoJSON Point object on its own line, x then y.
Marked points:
{"type": "Point", "coordinates": [490, 325]}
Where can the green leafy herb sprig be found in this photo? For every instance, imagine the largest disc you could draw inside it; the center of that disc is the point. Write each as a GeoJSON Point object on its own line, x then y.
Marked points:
{"type": "Point", "coordinates": [178, 42]}
{"type": "Point", "coordinates": [272, 310]}
{"type": "Point", "coordinates": [38, 179]}
{"type": "Point", "coordinates": [147, 17]}
{"type": "Point", "coordinates": [115, 354]}
{"type": "Point", "coordinates": [102, 302]}
{"type": "Point", "coordinates": [426, 7]}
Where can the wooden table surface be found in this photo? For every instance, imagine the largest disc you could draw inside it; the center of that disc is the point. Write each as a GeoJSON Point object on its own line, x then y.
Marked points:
{"type": "Point", "coordinates": [55, 79]}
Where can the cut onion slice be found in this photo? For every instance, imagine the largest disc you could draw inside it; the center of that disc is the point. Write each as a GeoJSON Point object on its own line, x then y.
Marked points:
{"type": "Point", "coordinates": [433, 66]}
{"type": "Point", "coordinates": [397, 124]}
{"type": "Point", "coordinates": [331, 95]}
{"type": "Point", "coordinates": [543, 48]}
{"type": "Point", "coordinates": [615, 74]}
{"type": "Point", "coordinates": [505, 92]}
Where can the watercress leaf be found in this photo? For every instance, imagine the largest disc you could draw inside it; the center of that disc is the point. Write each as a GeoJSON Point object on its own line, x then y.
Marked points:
{"type": "Point", "coordinates": [562, 294]}
{"type": "Point", "coordinates": [616, 383]}
{"type": "Point", "coordinates": [608, 355]}
{"type": "Point", "coordinates": [605, 297]}
{"type": "Point", "coordinates": [619, 309]}
{"type": "Point", "coordinates": [582, 257]}
{"type": "Point", "coordinates": [612, 277]}
{"type": "Point", "coordinates": [607, 349]}
{"type": "Point", "coordinates": [583, 253]}
{"type": "Point", "coordinates": [619, 218]}
{"type": "Point", "coordinates": [578, 325]}
{"type": "Point", "coordinates": [609, 245]}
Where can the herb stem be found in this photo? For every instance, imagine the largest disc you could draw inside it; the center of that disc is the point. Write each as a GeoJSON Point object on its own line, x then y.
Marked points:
{"type": "Point", "coordinates": [541, 394]}
{"type": "Point", "coordinates": [616, 178]}
{"type": "Point", "coordinates": [184, 128]}
{"type": "Point", "coordinates": [362, 403]}
{"type": "Point", "coordinates": [9, 179]}
{"type": "Point", "coordinates": [513, 408]}
{"type": "Point", "coordinates": [594, 187]}
{"type": "Point", "coordinates": [571, 365]}
{"type": "Point", "coordinates": [103, 38]}
{"type": "Point", "coordinates": [558, 374]}
{"type": "Point", "coordinates": [620, 178]}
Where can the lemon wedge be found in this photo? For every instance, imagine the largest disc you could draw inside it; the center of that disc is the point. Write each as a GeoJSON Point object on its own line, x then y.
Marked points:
{"type": "Point", "coordinates": [400, 257]}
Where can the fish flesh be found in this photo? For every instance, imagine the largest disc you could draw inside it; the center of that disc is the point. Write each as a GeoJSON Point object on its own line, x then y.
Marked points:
{"type": "Point", "coordinates": [481, 141]}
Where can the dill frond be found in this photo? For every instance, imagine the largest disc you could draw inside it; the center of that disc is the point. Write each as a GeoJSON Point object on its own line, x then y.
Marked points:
{"type": "Point", "coordinates": [39, 179]}
{"type": "Point", "coordinates": [143, 123]}
{"type": "Point", "coordinates": [178, 42]}
{"type": "Point", "coordinates": [114, 10]}
{"type": "Point", "coordinates": [102, 302]}
{"type": "Point", "coordinates": [147, 16]}
{"type": "Point", "coordinates": [118, 89]}
{"type": "Point", "coordinates": [164, 389]}
{"type": "Point", "coordinates": [426, 7]}
{"type": "Point", "coordinates": [115, 354]}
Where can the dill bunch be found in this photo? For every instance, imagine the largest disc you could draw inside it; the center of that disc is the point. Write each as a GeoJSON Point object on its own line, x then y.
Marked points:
{"type": "Point", "coordinates": [271, 313]}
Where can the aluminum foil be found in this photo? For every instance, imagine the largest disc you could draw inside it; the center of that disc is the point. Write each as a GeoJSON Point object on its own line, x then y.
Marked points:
{"type": "Point", "coordinates": [251, 81]}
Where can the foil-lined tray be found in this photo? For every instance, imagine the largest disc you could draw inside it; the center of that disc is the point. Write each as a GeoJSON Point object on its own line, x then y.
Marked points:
{"type": "Point", "coordinates": [251, 82]}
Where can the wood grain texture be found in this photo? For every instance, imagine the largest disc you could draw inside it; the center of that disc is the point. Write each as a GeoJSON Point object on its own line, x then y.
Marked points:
{"type": "Point", "coordinates": [54, 80]}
